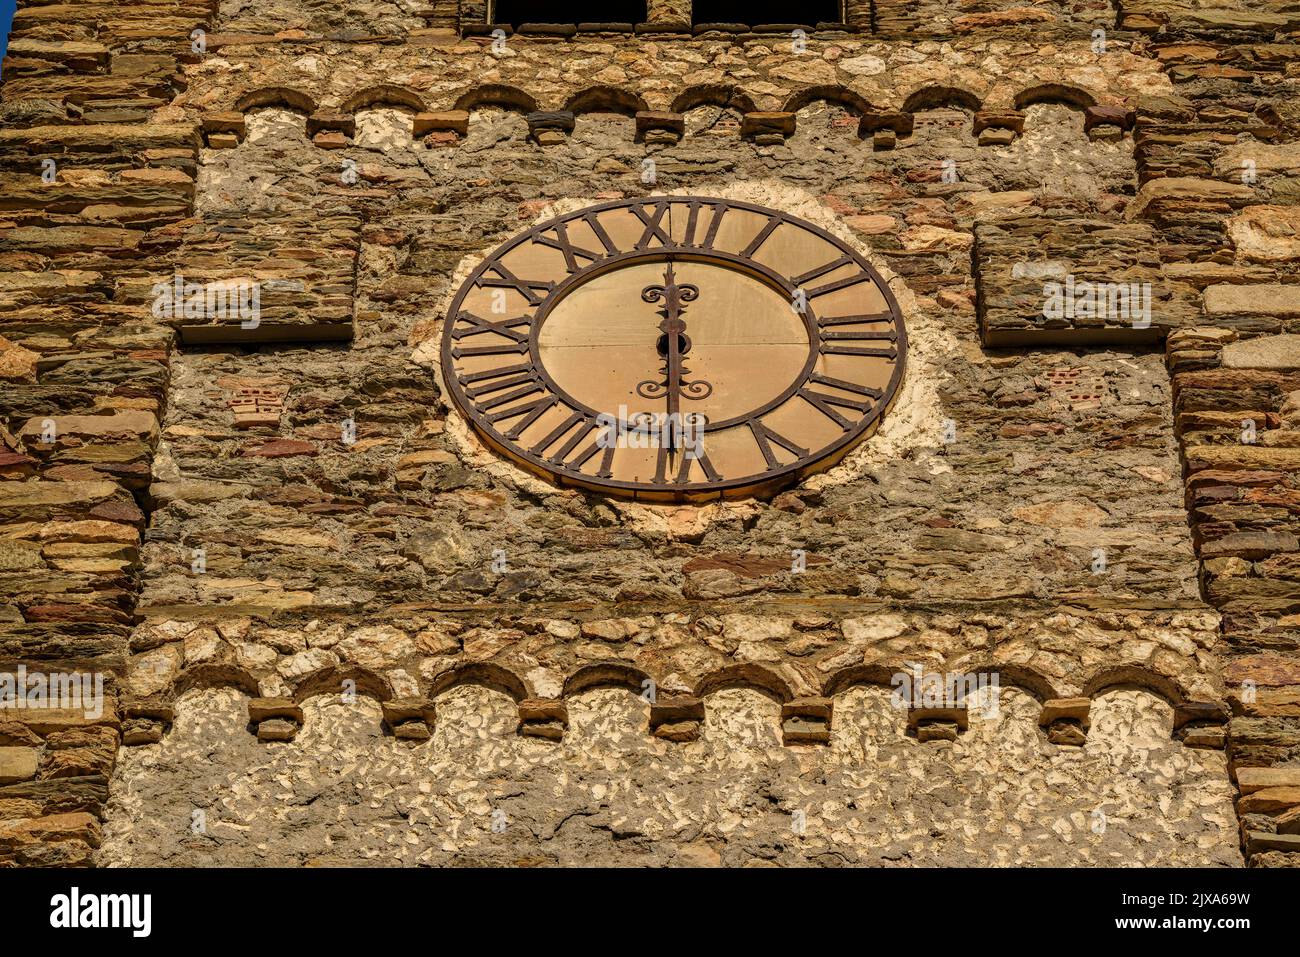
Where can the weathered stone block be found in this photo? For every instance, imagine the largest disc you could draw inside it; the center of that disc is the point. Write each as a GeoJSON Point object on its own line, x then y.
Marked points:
{"type": "Point", "coordinates": [46, 721]}
{"type": "Point", "coordinates": [756, 124]}
{"type": "Point", "coordinates": [231, 122]}
{"type": "Point", "coordinates": [1259, 841]}
{"type": "Point", "coordinates": [957, 716]}
{"type": "Point", "coordinates": [1055, 709]}
{"type": "Point", "coordinates": [452, 121]}
{"type": "Point", "coordinates": [900, 124]}
{"type": "Point", "coordinates": [561, 121]}
{"type": "Point", "coordinates": [1067, 732]}
{"type": "Point", "coordinates": [17, 764]}
{"type": "Point", "coordinates": [1264, 352]}
{"type": "Point", "coordinates": [648, 121]}
{"type": "Point", "coordinates": [1013, 120]}
{"type": "Point", "coordinates": [138, 731]}
{"type": "Point", "coordinates": [1118, 116]}
{"type": "Point", "coordinates": [400, 710]}
{"type": "Point", "coordinates": [799, 729]}
{"type": "Point", "coordinates": [277, 729]}
{"type": "Point", "coordinates": [678, 731]}
{"type": "Point", "coordinates": [344, 123]}
{"type": "Point", "coordinates": [997, 136]}
{"type": "Point", "coordinates": [669, 710]}
{"type": "Point", "coordinates": [92, 428]}
{"type": "Point", "coordinates": [1270, 800]}
{"type": "Point", "coordinates": [1200, 712]}
{"type": "Point", "coordinates": [1250, 780]}
{"type": "Point", "coordinates": [1288, 822]}
{"type": "Point", "coordinates": [543, 718]}
{"type": "Point", "coordinates": [937, 731]}
{"type": "Point", "coordinates": [50, 829]}
{"type": "Point", "coordinates": [265, 709]}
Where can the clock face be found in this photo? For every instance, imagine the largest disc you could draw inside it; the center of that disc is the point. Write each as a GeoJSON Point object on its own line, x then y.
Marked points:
{"type": "Point", "coordinates": [674, 349]}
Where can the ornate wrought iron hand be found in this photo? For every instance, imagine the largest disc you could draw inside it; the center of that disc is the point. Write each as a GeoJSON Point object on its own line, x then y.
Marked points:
{"type": "Point", "coordinates": [673, 346]}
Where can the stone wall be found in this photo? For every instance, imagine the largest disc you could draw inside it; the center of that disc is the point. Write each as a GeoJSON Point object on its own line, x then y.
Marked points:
{"type": "Point", "coordinates": [1019, 512]}
{"type": "Point", "coordinates": [609, 795]}
{"type": "Point", "coordinates": [94, 182]}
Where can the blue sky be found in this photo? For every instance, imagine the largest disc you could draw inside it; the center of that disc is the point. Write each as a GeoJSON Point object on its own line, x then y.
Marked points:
{"type": "Point", "coordinates": [6, 18]}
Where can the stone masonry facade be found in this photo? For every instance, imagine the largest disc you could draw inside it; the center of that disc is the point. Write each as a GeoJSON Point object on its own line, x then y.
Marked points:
{"type": "Point", "coordinates": [334, 628]}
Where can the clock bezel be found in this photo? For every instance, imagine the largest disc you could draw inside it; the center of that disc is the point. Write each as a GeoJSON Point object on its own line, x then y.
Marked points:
{"type": "Point", "coordinates": [758, 485]}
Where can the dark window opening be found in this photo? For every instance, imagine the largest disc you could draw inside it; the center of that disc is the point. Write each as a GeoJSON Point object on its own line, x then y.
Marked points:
{"type": "Point", "coordinates": [515, 12]}
{"type": "Point", "coordinates": [807, 13]}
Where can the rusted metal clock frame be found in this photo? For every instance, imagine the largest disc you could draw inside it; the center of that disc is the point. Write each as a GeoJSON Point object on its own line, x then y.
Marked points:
{"type": "Point", "coordinates": [529, 376]}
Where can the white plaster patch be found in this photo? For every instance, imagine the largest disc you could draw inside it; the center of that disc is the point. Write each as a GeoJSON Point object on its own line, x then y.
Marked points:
{"type": "Point", "coordinates": [384, 128]}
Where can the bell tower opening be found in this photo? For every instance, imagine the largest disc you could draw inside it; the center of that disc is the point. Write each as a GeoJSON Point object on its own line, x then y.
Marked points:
{"type": "Point", "coordinates": [517, 12]}
{"type": "Point", "coordinates": [754, 14]}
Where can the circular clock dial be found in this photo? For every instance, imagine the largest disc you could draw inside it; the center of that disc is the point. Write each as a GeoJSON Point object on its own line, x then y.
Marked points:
{"type": "Point", "coordinates": [674, 348]}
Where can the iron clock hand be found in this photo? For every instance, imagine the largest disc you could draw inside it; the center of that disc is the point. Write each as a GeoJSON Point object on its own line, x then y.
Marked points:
{"type": "Point", "coordinates": [673, 346]}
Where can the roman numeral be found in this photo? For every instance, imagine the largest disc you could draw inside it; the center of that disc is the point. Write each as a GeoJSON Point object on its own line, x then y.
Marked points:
{"type": "Point", "coordinates": [576, 463]}
{"type": "Point", "coordinates": [717, 211]}
{"type": "Point", "coordinates": [684, 467]}
{"type": "Point", "coordinates": [508, 280]}
{"type": "Point", "coordinates": [822, 270]}
{"type": "Point", "coordinates": [554, 436]}
{"type": "Point", "coordinates": [825, 402]}
{"type": "Point", "coordinates": [834, 350]}
{"type": "Point", "coordinates": [534, 412]}
{"type": "Point", "coordinates": [847, 386]}
{"type": "Point", "coordinates": [530, 386]}
{"type": "Point", "coordinates": [714, 222]}
{"type": "Point", "coordinates": [830, 344]}
{"type": "Point", "coordinates": [765, 437]}
{"type": "Point", "coordinates": [652, 228]}
{"type": "Point", "coordinates": [564, 457]}
{"type": "Point", "coordinates": [854, 320]}
{"type": "Point", "coordinates": [494, 380]}
{"type": "Point", "coordinates": [592, 220]}
{"type": "Point", "coordinates": [564, 245]}
{"type": "Point", "coordinates": [503, 327]}
{"type": "Point", "coordinates": [772, 223]}
{"type": "Point", "coordinates": [688, 239]}
{"type": "Point", "coordinates": [518, 349]}
{"type": "Point", "coordinates": [827, 269]}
